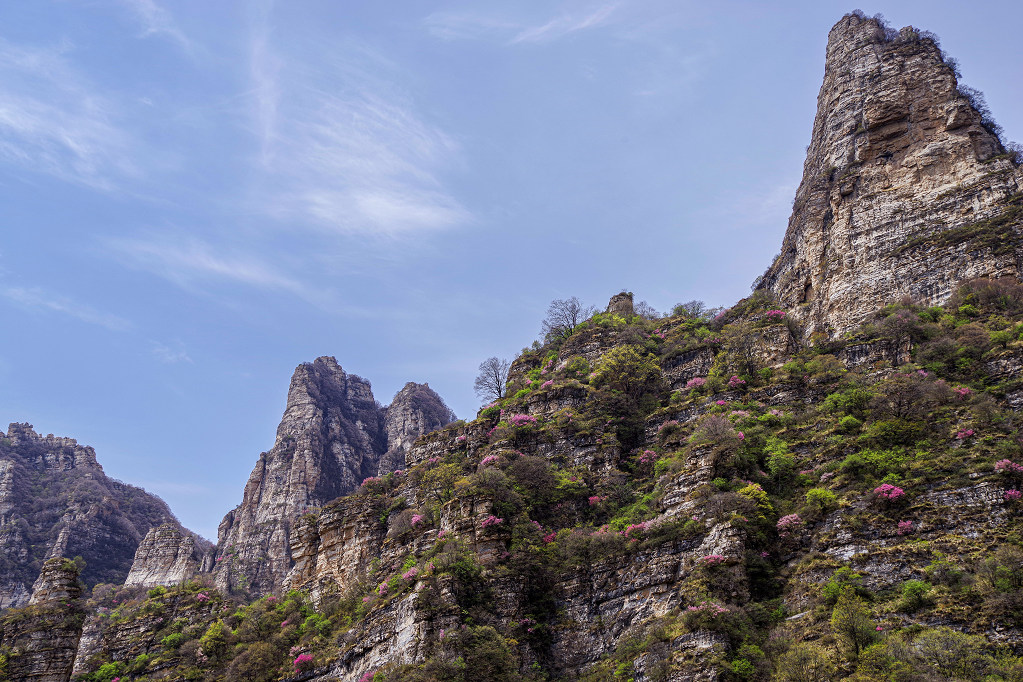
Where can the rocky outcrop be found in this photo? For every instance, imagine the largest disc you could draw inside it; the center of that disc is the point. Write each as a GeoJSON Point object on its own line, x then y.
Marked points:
{"type": "Point", "coordinates": [416, 410]}
{"type": "Point", "coordinates": [333, 436]}
{"type": "Point", "coordinates": [42, 639]}
{"type": "Point", "coordinates": [906, 191]}
{"type": "Point", "coordinates": [55, 500]}
{"type": "Point", "coordinates": [168, 556]}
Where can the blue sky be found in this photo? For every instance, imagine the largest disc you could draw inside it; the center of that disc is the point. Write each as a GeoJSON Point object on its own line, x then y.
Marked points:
{"type": "Point", "coordinates": [199, 196]}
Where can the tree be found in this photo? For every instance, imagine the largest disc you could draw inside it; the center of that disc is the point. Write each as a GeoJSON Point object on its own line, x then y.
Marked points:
{"type": "Point", "coordinates": [562, 317]}
{"type": "Point", "coordinates": [805, 662]}
{"type": "Point", "coordinates": [852, 624]}
{"type": "Point", "coordinates": [490, 382]}
{"type": "Point", "coordinates": [690, 309]}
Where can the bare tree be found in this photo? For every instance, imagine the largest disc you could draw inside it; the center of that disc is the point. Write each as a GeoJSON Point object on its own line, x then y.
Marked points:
{"type": "Point", "coordinates": [690, 309]}
{"type": "Point", "coordinates": [490, 382]}
{"type": "Point", "coordinates": [562, 317]}
{"type": "Point", "coordinates": [647, 311]}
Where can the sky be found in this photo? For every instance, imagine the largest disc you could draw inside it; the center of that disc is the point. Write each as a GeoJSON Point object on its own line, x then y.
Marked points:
{"type": "Point", "coordinates": [199, 196]}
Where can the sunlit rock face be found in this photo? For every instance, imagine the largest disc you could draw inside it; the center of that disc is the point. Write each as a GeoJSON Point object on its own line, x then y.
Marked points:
{"type": "Point", "coordinates": [905, 190]}
{"type": "Point", "coordinates": [333, 436]}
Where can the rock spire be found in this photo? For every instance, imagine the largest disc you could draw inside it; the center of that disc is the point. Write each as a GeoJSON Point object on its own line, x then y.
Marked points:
{"type": "Point", "coordinates": [906, 188]}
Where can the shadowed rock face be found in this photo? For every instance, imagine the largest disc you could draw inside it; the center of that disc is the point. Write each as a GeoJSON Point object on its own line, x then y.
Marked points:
{"type": "Point", "coordinates": [333, 435]}
{"type": "Point", "coordinates": [56, 501]}
{"type": "Point", "coordinates": [905, 192]}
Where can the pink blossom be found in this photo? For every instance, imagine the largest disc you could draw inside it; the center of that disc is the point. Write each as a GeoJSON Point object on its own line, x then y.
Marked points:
{"type": "Point", "coordinates": [417, 519]}
{"type": "Point", "coordinates": [595, 500]}
{"type": "Point", "coordinates": [460, 439]}
{"type": "Point", "coordinates": [789, 524]}
{"type": "Point", "coordinates": [635, 528]}
{"type": "Point", "coordinates": [962, 392]}
{"type": "Point", "coordinates": [775, 314]}
{"type": "Point", "coordinates": [549, 538]}
{"type": "Point", "coordinates": [764, 555]}
{"type": "Point", "coordinates": [966, 433]}
{"type": "Point", "coordinates": [1006, 466]}
{"type": "Point", "coordinates": [1012, 495]}
{"type": "Point", "coordinates": [712, 560]}
{"type": "Point", "coordinates": [647, 457]}
{"type": "Point", "coordinates": [302, 661]}
{"type": "Point", "coordinates": [741, 435]}
{"type": "Point", "coordinates": [491, 520]}
{"type": "Point", "coordinates": [721, 402]}
{"type": "Point", "coordinates": [488, 460]}
{"type": "Point", "coordinates": [367, 676]}
{"type": "Point", "coordinates": [736, 382]}
{"type": "Point", "coordinates": [888, 491]}
{"type": "Point", "coordinates": [547, 384]}
{"type": "Point", "coordinates": [522, 420]}
{"type": "Point", "coordinates": [667, 425]}
{"type": "Point", "coordinates": [410, 574]}
{"type": "Point", "coordinates": [696, 382]}
{"type": "Point", "coordinates": [202, 597]}
{"type": "Point", "coordinates": [879, 628]}
{"type": "Point", "coordinates": [904, 527]}
{"type": "Point", "coordinates": [382, 588]}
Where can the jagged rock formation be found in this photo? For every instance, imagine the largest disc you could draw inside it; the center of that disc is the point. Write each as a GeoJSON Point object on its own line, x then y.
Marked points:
{"type": "Point", "coordinates": [40, 643]}
{"type": "Point", "coordinates": [333, 436]}
{"type": "Point", "coordinates": [56, 501]}
{"type": "Point", "coordinates": [168, 556]}
{"type": "Point", "coordinates": [906, 191]}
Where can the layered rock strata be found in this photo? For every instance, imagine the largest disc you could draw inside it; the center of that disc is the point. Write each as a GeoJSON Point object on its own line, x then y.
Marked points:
{"type": "Point", "coordinates": [333, 436]}
{"type": "Point", "coordinates": [168, 556]}
{"type": "Point", "coordinates": [906, 191]}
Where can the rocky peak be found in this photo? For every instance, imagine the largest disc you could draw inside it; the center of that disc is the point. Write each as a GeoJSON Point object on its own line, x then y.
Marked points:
{"type": "Point", "coordinates": [167, 556]}
{"type": "Point", "coordinates": [621, 304]}
{"type": "Point", "coordinates": [57, 582]}
{"type": "Point", "coordinates": [416, 410]}
{"type": "Point", "coordinates": [906, 189]}
{"type": "Point", "coordinates": [333, 435]}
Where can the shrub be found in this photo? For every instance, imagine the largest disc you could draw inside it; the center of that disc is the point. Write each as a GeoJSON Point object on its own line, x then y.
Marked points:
{"type": "Point", "coordinates": [914, 595]}
{"type": "Point", "coordinates": [821, 500]}
{"type": "Point", "coordinates": [852, 624]}
{"type": "Point", "coordinates": [805, 662]}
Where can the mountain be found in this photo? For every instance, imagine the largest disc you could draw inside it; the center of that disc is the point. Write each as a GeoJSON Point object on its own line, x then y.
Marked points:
{"type": "Point", "coordinates": [333, 436]}
{"type": "Point", "coordinates": [906, 191]}
{"type": "Point", "coordinates": [56, 501]}
{"type": "Point", "coordinates": [806, 486]}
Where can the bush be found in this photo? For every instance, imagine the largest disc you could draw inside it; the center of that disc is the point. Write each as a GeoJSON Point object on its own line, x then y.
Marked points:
{"type": "Point", "coordinates": [821, 500]}
{"type": "Point", "coordinates": [914, 595]}
{"type": "Point", "coordinates": [805, 662]}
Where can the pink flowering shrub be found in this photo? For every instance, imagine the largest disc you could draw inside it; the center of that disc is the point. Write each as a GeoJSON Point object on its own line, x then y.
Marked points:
{"type": "Point", "coordinates": [647, 457]}
{"type": "Point", "coordinates": [417, 519]}
{"type": "Point", "coordinates": [775, 314]}
{"type": "Point", "coordinates": [522, 420]}
{"type": "Point", "coordinates": [736, 382]}
{"type": "Point", "coordinates": [547, 384]}
{"type": "Point", "coordinates": [1012, 495]}
{"type": "Point", "coordinates": [964, 434]}
{"type": "Point", "coordinates": [382, 588]}
{"type": "Point", "coordinates": [668, 425]}
{"type": "Point", "coordinates": [889, 492]}
{"type": "Point", "coordinates": [904, 528]}
{"type": "Point", "coordinates": [491, 521]}
{"type": "Point", "coordinates": [712, 560]}
{"type": "Point", "coordinates": [460, 439]}
{"type": "Point", "coordinates": [595, 500]}
{"type": "Point", "coordinates": [696, 382]}
{"type": "Point", "coordinates": [368, 676]}
{"type": "Point", "coordinates": [202, 597]}
{"type": "Point", "coordinates": [962, 393]}
{"type": "Point", "coordinates": [410, 574]}
{"type": "Point", "coordinates": [303, 662]}
{"type": "Point", "coordinates": [1007, 466]}
{"type": "Point", "coordinates": [635, 529]}
{"type": "Point", "coordinates": [489, 459]}
{"type": "Point", "coordinates": [787, 525]}
{"type": "Point", "coordinates": [722, 403]}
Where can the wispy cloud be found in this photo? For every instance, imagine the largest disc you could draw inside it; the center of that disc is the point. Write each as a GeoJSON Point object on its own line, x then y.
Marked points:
{"type": "Point", "coordinates": [38, 299]}
{"type": "Point", "coordinates": [192, 263]}
{"type": "Point", "coordinates": [565, 24]}
{"type": "Point", "coordinates": [52, 121]}
{"type": "Point", "coordinates": [475, 25]}
{"type": "Point", "coordinates": [343, 147]}
{"type": "Point", "coordinates": [170, 354]}
{"type": "Point", "coordinates": [157, 21]}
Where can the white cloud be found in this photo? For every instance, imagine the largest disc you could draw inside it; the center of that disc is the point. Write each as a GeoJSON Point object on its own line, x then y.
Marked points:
{"type": "Point", "coordinates": [342, 147]}
{"type": "Point", "coordinates": [170, 355]}
{"type": "Point", "coordinates": [156, 20]}
{"type": "Point", "coordinates": [564, 25]}
{"type": "Point", "coordinates": [477, 26]}
{"type": "Point", "coordinates": [191, 262]}
{"type": "Point", "coordinates": [52, 121]}
{"type": "Point", "coordinates": [35, 297]}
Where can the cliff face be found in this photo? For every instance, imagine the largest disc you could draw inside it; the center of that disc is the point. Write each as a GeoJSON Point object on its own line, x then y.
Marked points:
{"type": "Point", "coordinates": [168, 556]}
{"type": "Point", "coordinates": [905, 190]}
{"type": "Point", "coordinates": [333, 436]}
{"type": "Point", "coordinates": [56, 501]}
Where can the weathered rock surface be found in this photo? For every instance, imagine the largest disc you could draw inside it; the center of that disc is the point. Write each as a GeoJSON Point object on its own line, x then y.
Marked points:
{"type": "Point", "coordinates": [905, 191]}
{"type": "Point", "coordinates": [168, 556]}
{"type": "Point", "coordinates": [43, 639]}
{"type": "Point", "coordinates": [333, 436]}
{"type": "Point", "coordinates": [55, 500]}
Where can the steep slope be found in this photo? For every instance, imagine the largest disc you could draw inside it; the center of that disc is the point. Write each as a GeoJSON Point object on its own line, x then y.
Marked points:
{"type": "Point", "coordinates": [55, 501]}
{"type": "Point", "coordinates": [906, 191]}
{"type": "Point", "coordinates": [333, 436]}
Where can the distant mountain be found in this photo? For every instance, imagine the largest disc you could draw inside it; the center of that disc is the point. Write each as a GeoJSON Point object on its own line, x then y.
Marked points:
{"type": "Point", "coordinates": [55, 501]}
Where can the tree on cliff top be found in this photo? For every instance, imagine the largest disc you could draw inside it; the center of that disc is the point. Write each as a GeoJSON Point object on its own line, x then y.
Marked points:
{"type": "Point", "coordinates": [490, 382]}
